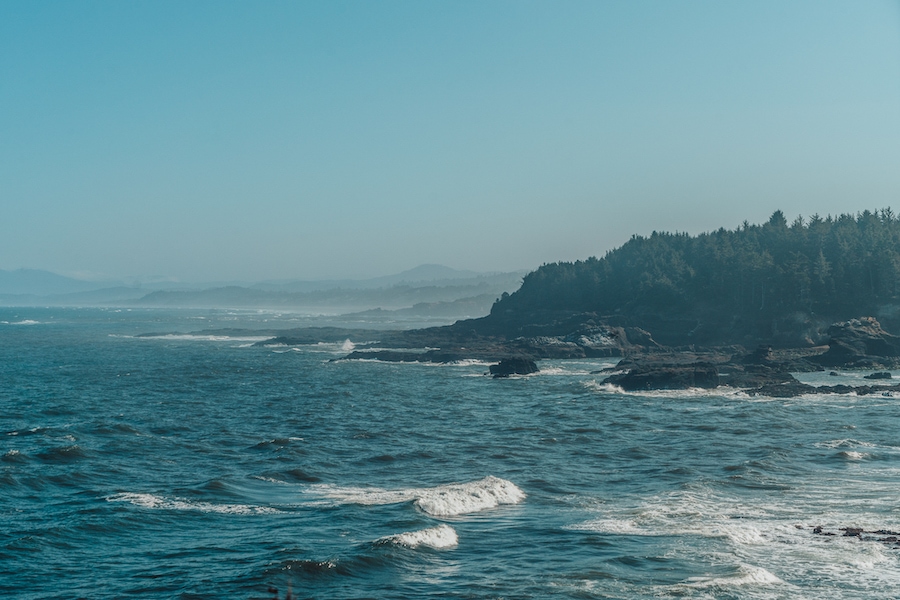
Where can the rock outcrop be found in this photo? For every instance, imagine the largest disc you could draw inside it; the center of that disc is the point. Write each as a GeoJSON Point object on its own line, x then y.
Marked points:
{"type": "Point", "coordinates": [860, 343]}
{"type": "Point", "coordinates": [514, 366]}
{"type": "Point", "coordinates": [667, 377]}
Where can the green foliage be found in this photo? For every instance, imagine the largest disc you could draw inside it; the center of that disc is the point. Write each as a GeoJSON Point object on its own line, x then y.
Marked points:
{"type": "Point", "coordinates": [836, 266]}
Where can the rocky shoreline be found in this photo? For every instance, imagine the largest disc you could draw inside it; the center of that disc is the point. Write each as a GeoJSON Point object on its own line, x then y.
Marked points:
{"type": "Point", "coordinates": [856, 345]}
{"type": "Point", "coordinates": [645, 365]}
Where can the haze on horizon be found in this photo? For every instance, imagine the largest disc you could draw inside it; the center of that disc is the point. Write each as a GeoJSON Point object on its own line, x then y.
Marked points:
{"type": "Point", "coordinates": [252, 141]}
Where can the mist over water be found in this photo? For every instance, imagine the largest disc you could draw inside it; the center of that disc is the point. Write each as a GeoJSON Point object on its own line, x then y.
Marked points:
{"type": "Point", "coordinates": [201, 466]}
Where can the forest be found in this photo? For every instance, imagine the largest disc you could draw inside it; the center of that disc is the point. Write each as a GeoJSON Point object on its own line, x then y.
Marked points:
{"type": "Point", "coordinates": [777, 281]}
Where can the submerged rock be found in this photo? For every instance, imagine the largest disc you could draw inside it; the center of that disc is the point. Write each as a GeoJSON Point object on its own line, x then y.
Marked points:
{"type": "Point", "coordinates": [514, 366]}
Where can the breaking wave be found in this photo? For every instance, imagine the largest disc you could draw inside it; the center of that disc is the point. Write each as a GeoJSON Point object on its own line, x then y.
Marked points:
{"type": "Point", "coordinates": [440, 538]}
{"type": "Point", "coordinates": [746, 575]}
{"type": "Point", "coordinates": [155, 502]}
{"type": "Point", "coordinates": [442, 501]}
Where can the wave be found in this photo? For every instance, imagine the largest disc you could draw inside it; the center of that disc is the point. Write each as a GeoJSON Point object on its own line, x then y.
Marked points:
{"type": "Point", "coordinates": [564, 370]}
{"type": "Point", "coordinates": [155, 502]}
{"type": "Point", "coordinates": [63, 454]}
{"type": "Point", "coordinates": [442, 501]}
{"type": "Point", "coordinates": [251, 339]}
{"type": "Point", "coordinates": [844, 443]}
{"type": "Point", "coordinates": [14, 456]}
{"type": "Point", "coordinates": [689, 393]}
{"type": "Point", "coordinates": [746, 575]}
{"type": "Point", "coordinates": [441, 537]}
{"type": "Point", "coordinates": [696, 513]}
{"type": "Point", "coordinates": [32, 431]}
{"type": "Point", "coordinates": [776, 537]}
{"type": "Point", "coordinates": [22, 322]}
{"type": "Point", "coordinates": [852, 455]}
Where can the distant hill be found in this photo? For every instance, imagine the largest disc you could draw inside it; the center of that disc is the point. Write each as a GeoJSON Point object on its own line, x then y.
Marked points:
{"type": "Point", "coordinates": [776, 282]}
{"type": "Point", "coordinates": [36, 282]}
{"type": "Point", "coordinates": [434, 290]}
{"type": "Point", "coordinates": [420, 276]}
{"type": "Point", "coordinates": [458, 297]}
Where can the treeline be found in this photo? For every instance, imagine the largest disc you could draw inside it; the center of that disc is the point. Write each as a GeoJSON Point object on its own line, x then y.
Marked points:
{"type": "Point", "coordinates": [827, 268]}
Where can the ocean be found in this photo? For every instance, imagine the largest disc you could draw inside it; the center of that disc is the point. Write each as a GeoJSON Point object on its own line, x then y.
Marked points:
{"type": "Point", "coordinates": [205, 466]}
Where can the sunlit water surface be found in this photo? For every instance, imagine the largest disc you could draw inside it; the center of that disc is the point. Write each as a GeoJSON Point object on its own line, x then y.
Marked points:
{"type": "Point", "coordinates": [207, 467]}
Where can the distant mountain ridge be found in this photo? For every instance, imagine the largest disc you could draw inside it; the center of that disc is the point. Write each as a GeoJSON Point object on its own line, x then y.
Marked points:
{"type": "Point", "coordinates": [35, 282]}
{"type": "Point", "coordinates": [442, 290]}
{"type": "Point", "coordinates": [427, 274]}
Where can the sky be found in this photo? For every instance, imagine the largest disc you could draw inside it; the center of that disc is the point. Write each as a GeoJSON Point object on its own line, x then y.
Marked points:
{"type": "Point", "coordinates": [214, 141]}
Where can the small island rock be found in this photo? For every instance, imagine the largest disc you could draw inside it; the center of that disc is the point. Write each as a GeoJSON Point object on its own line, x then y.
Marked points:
{"type": "Point", "coordinates": [514, 366]}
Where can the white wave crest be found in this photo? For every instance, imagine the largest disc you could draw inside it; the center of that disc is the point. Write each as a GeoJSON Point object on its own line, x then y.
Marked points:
{"type": "Point", "coordinates": [613, 526]}
{"type": "Point", "coordinates": [152, 501]}
{"type": "Point", "coordinates": [23, 322]}
{"type": "Point", "coordinates": [441, 501]}
{"type": "Point", "coordinates": [852, 455]}
{"type": "Point", "coordinates": [747, 575]}
{"type": "Point", "coordinates": [250, 339]}
{"type": "Point", "coordinates": [347, 346]}
{"type": "Point", "coordinates": [439, 538]}
{"type": "Point", "coordinates": [844, 443]}
{"type": "Point", "coordinates": [458, 499]}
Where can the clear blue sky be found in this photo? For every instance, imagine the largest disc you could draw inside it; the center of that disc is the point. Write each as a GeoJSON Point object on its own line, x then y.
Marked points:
{"type": "Point", "coordinates": [257, 140]}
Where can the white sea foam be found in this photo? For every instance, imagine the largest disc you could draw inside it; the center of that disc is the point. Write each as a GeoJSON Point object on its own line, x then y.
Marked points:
{"type": "Point", "coordinates": [613, 526]}
{"type": "Point", "coordinates": [471, 362]}
{"type": "Point", "coordinates": [347, 346]}
{"type": "Point", "coordinates": [251, 339]}
{"type": "Point", "coordinates": [442, 501]}
{"type": "Point", "coordinates": [852, 455]}
{"type": "Point", "coordinates": [720, 392]}
{"type": "Point", "coordinates": [746, 575]}
{"type": "Point", "coordinates": [153, 501]}
{"type": "Point", "coordinates": [603, 388]}
{"type": "Point", "coordinates": [441, 537]}
{"type": "Point", "coordinates": [270, 480]}
{"type": "Point", "coordinates": [555, 370]}
{"type": "Point", "coordinates": [23, 322]}
{"type": "Point", "coordinates": [775, 537]}
{"type": "Point", "coordinates": [844, 443]}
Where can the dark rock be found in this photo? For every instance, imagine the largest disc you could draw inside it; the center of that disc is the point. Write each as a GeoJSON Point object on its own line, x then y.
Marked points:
{"type": "Point", "coordinates": [860, 343]}
{"type": "Point", "coordinates": [768, 361]}
{"type": "Point", "coordinates": [514, 366]}
{"type": "Point", "coordinates": [790, 390]}
{"type": "Point", "coordinates": [784, 390]}
{"type": "Point", "coordinates": [384, 355]}
{"type": "Point", "coordinates": [834, 374]}
{"type": "Point", "coordinates": [880, 375]}
{"type": "Point", "coordinates": [667, 377]}
{"type": "Point", "coordinates": [762, 355]}
{"type": "Point", "coordinates": [736, 377]}
{"type": "Point", "coordinates": [858, 532]}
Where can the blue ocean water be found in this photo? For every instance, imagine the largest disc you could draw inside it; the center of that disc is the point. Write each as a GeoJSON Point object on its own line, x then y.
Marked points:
{"type": "Point", "coordinates": [206, 467]}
